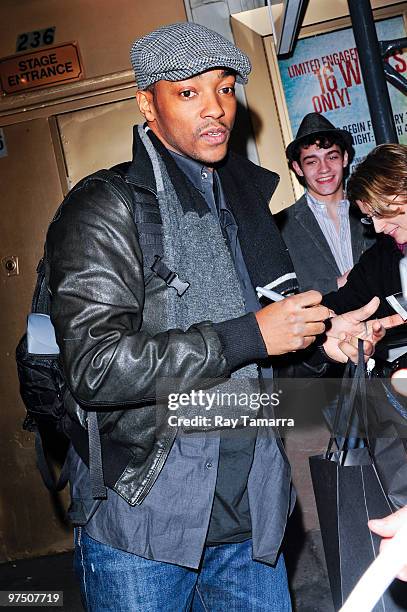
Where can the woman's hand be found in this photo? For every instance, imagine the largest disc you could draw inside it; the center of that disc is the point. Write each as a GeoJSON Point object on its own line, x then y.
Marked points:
{"type": "Point", "coordinates": [342, 336]}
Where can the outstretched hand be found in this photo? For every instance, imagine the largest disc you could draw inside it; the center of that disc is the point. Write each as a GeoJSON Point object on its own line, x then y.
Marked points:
{"type": "Point", "coordinates": [294, 323]}
{"type": "Point", "coordinates": [345, 329]}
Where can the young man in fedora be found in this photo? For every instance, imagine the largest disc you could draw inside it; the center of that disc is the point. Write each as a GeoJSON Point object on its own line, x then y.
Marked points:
{"type": "Point", "coordinates": [325, 238]}
{"type": "Point", "coordinates": [191, 520]}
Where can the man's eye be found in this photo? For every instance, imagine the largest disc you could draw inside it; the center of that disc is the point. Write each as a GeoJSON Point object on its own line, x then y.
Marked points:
{"type": "Point", "coordinates": [187, 93]}
{"type": "Point", "coordinates": [228, 90]}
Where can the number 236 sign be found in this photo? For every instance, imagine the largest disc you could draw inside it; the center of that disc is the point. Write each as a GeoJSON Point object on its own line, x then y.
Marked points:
{"type": "Point", "coordinates": [35, 39]}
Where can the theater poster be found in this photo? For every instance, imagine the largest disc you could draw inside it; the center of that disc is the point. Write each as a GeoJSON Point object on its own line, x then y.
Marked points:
{"type": "Point", "coordinates": [324, 75]}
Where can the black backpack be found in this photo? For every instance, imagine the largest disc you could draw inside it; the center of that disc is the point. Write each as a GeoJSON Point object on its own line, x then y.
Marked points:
{"type": "Point", "coordinates": [42, 381]}
{"type": "Point", "coordinates": [42, 388]}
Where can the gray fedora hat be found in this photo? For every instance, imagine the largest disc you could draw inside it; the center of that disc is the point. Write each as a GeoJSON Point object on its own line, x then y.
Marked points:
{"type": "Point", "coordinates": [315, 123]}
{"type": "Point", "coordinates": [182, 50]}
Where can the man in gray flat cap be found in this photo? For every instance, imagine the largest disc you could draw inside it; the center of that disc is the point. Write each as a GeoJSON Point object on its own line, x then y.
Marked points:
{"type": "Point", "coordinates": [152, 268]}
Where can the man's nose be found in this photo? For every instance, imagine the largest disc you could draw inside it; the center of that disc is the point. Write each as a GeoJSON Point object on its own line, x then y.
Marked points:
{"type": "Point", "coordinates": [212, 107]}
{"type": "Point", "coordinates": [324, 166]}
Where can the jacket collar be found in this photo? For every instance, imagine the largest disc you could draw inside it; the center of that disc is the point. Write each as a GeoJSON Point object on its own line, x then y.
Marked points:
{"type": "Point", "coordinates": [308, 222]}
{"type": "Point", "coordinates": [140, 170]}
{"type": "Point", "coordinates": [247, 188]}
{"type": "Point", "coordinates": [141, 173]}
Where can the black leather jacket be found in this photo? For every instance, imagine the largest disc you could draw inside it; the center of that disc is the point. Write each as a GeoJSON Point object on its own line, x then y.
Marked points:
{"type": "Point", "coordinates": [109, 325]}
{"type": "Point", "coordinates": [110, 331]}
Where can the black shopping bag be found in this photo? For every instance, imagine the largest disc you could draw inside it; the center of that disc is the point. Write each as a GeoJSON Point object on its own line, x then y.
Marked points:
{"type": "Point", "coordinates": [348, 492]}
{"type": "Point", "coordinates": [387, 428]}
{"type": "Point", "coordinates": [348, 495]}
{"type": "Point", "coordinates": [391, 463]}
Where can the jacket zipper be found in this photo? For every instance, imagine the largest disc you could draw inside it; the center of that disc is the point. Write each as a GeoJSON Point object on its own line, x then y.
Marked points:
{"type": "Point", "coordinates": [156, 471]}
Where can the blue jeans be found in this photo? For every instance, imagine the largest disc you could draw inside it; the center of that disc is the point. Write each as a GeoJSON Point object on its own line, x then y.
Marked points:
{"type": "Point", "coordinates": [227, 580]}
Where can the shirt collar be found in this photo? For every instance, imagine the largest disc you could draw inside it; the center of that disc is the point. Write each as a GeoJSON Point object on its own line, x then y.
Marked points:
{"type": "Point", "coordinates": [342, 204]}
{"type": "Point", "coordinates": [194, 170]}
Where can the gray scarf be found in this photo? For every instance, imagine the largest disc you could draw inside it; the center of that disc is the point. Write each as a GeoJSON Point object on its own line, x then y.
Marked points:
{"type": "Point", "coordinates": [195, 248]}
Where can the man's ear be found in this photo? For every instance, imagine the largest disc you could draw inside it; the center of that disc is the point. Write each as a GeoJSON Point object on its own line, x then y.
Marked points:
{"type": "Point", "coordinates": [297, 168]}
{"type": "Point", "coordinates": [145, 103]}
{"type": "Point", "coordinates": [345, 160]}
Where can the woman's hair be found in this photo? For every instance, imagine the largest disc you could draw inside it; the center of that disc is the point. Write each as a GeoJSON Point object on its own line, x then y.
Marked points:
{"type": "Point", "coordinates": [380, 177]}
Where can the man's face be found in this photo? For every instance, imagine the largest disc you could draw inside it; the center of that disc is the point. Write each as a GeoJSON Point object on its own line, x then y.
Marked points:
{"type": "Point", "coordinates": [322, 170]}
{"type": "Point", "coordinates": [193, 117]}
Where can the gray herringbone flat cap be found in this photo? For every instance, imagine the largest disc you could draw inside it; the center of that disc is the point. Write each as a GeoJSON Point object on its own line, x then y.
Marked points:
{"type": "Point", "coordinates": [180, 51]}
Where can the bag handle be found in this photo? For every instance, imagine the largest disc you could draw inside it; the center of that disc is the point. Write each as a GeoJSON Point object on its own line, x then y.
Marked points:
{"type": "Point", "coordinates": [360, 376]}
{"type": "Point", "coordinates": [358, 389]}
{"type": "Point", "coordinates": [347, 375]}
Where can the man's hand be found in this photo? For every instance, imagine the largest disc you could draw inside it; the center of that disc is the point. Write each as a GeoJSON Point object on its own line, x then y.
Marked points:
{"type": "Point", "coordinates": [342, 337]}
{"type": "Point", "coordinates": [387, 528]}
{"type": "Point", "coordinates": [293, 323]}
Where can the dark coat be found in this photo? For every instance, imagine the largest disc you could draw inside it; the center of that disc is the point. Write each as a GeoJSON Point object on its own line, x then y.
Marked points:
{"type": "Point", "coordinates": [376, 273]}
{"type": "Point", "coordinates": [114, 347]}
{"type": "Point", "coordinates": [109, 325]}
{"type": "Point", "coordinates": [313, 261]}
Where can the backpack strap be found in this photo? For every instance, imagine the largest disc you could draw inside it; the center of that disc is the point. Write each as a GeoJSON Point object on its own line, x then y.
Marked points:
{"type": "Point", "coordinates": [144, 208]}
{"type": "Point", "coordinates": [170, 278]}
{"type": "Point", "coordinates": [97, 481]}
{"type": "Point", "coordinates": [147, 217]}
{"type": "Point", "coordinates": [46, 471]}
